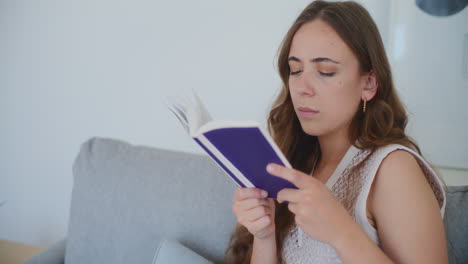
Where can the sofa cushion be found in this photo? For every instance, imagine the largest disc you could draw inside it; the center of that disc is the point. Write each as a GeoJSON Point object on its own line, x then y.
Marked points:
{"type": "Point", "coordinates": [127, 198]}
{"type": "Point", "coordinates": [170, 252]}
{"type": "Point", "coordinates": [456, 223]}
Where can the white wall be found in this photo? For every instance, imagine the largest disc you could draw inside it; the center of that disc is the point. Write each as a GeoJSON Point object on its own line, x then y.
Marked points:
{"type": "Point", "coordinates": [70, 70]}
{"type": "Point", "coordinates": [427, 60]}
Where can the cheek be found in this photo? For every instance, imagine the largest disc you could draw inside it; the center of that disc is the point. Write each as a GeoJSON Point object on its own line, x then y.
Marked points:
{"type": "Point", "coordinates": [293, 94]}
{"type": "Point", "coordinates": [291, 86]}
{"type": "Point", "coordinates": [345, 99]}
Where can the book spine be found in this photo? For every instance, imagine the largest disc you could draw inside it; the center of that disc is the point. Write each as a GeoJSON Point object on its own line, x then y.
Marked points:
{"type": "Point", "coordinates": [219, 162]}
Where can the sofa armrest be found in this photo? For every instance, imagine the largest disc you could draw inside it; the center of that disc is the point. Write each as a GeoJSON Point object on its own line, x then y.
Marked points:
{"type": "Point", "coordinates": [53, 255]}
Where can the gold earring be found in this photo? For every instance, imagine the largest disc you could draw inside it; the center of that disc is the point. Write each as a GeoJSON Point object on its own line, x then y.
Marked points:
{"type": "Point", "coordinates": [364, 106]}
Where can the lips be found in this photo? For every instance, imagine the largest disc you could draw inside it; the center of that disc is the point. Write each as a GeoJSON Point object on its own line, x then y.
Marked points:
{"type": "Point", "coordinates": [307, 113]}
{"type": "Point", "coordinates": [307, 109]}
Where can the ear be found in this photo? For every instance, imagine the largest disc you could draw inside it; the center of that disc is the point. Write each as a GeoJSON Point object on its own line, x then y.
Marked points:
{"type": "Point", "coordinates": [370, 86]}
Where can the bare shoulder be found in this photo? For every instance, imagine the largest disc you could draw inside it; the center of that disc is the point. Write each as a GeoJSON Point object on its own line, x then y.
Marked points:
{"type": "Point", "coordinates": [400, 161]}
{"type": "Point", "coordinates": [406, 212]}
{"type": "Point", "coordinates": [400, 177]}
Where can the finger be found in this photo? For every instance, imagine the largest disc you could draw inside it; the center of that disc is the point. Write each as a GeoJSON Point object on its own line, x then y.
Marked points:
{"type": "Point", "coordinates": [247, 204]}
{"type": "Point", "coordinates": [256, 213]}
{"type": "Point", "coordinates": [288, 194]}
{"type": "Point", "coordinates": [245, 193]}
{"type": "Point", "coordinates": [260, 223]}
{"type": "Point", "coordinates": [294, 176]}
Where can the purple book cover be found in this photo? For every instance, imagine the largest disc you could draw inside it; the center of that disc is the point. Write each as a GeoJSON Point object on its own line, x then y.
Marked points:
{"type": "Point", "coordinates": [249, 151]}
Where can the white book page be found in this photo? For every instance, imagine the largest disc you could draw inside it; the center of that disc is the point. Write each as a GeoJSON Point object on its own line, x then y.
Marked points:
{"type": "Point", "coordinates": [197, 114]}
{"type": "Point", "coordinates": [189, 110]}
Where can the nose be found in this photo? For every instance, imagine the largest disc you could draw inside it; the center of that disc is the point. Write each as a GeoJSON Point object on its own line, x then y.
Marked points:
{"type": "Point", "coordinates": [305, 84]}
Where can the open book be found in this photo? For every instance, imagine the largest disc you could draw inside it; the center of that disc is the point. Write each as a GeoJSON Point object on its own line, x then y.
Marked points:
{"type": "Point", "coordinates": [242, 149]}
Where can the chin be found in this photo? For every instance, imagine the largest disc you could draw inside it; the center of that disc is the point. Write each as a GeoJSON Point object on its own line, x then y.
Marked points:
{"type": "Point", "coordinates": [312, 130]}
{"type": "Point", "coordinates": [312, 133]}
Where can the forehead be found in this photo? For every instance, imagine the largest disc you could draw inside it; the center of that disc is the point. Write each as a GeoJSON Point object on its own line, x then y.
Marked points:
{"type": "Point", "coordinates": [318, 39]}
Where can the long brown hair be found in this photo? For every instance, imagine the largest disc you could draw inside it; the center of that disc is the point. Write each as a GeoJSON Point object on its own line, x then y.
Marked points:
{"type": "Point", "coordinates": [382, 123]}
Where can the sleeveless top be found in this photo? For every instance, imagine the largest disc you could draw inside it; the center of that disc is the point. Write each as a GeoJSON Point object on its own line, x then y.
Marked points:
{"type": "Point", "coordinates": [352, 190]}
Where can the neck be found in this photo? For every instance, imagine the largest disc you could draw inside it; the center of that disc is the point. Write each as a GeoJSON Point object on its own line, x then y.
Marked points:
{"type": "Point", "coordinates": [333, 147]}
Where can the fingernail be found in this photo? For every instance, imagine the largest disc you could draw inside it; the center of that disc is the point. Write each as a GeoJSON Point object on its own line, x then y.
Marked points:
{"type": "Point", "coordinates": [264, 194]}
{"type": "Point", "coordinates": [270, 168]}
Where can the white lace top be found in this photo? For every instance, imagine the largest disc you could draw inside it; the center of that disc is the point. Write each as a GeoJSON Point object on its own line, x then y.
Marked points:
{"type": "Point", "coordinates": [352, 189]}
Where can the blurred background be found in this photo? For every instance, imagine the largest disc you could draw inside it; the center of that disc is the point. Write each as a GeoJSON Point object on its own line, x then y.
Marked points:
{"type": "Point", "coordinates": [71, 70]}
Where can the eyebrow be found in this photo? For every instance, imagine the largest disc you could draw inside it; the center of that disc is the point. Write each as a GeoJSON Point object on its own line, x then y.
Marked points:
{"type": "Point", "coordinates": [319, 59]}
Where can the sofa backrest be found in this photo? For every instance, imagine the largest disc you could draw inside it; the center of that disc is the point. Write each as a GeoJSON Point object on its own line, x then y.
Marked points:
{"type": "Point", "coordinates": [126, 199]}
{"type": "Point", "coordinates": [456, 224]}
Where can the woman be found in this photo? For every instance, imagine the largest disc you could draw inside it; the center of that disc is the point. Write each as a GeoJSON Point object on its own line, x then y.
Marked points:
{"type": "Point", "coordinates": [365, 194]}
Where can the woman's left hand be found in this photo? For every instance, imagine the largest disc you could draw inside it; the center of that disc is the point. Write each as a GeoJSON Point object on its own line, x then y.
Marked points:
{"type": "Point", "coordinates": [316, 210]}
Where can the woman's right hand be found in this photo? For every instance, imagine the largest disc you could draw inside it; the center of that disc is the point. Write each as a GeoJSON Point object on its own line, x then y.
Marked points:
{"type": "Point", "coordinates": [255, 212]}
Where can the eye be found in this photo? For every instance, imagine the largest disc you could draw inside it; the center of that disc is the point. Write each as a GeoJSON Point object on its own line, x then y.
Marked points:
{"type": "Point", "coordinates": [293, 73]}
{"type": "Point", "coordinates": [328, 74]}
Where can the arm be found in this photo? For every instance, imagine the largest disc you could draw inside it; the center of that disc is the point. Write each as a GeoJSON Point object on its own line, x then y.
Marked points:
{"type": "Point", "coordinates": [407, 213]}
{"type": "Point", "coordinates": [356, 247]}
{"type": "Point", "coordinates": [324, 218]}
{"type": "Point", "coordinates": [401, 201]}
{"type": "Point", "coordinates": [264, 251]}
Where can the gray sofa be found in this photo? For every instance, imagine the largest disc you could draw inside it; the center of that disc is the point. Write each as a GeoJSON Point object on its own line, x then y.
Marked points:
{"type": "Point", "coordinates": [136, 204]}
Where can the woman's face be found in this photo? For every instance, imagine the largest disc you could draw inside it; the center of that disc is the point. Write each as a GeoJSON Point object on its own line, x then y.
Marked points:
{"type": "Point", "coordinates": [324, 79]}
